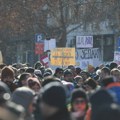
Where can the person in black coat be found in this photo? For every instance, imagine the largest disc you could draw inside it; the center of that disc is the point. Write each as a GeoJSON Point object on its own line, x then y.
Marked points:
{"type": "Point", "coordinates": [53, 102]}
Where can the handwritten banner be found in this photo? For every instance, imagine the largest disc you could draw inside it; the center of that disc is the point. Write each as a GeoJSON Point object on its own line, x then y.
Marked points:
{"type": "Point", "coordinates": [63, 56]}
{"type": "Point", "coordinates": [84, 41]}
{"type": "Point", "coordinates": [85, 57]}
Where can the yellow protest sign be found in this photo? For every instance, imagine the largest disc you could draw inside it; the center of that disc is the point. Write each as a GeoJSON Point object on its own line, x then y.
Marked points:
{"type": "Point", "coordinates": [63, 56]}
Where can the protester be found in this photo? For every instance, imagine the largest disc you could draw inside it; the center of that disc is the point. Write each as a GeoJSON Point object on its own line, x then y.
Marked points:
{"type": "Point", "coordinates": [104, 72]}
{"type": "Point", "coordinates": [23, 79]}
{"type": "Point", "coordinates": [31, 71]}
{"type": "Point", "coordinates": [79, 104]}
{"type": "Point", "coordinates": [85, 75]}
{"type": "Point", "coordinates": [79, 81]}
{"type": "Point", "coordinates": [73, 69]}
{"type": "Point", "coordinates": [108, 112]}
{"type": "Point", "coordinates": [5, 94]}
{"type": "Point", "coordinates": [38, 73]}
{"type": "Point", "coordinates": [38, 65]}
{"type": "Point", "coordinates": [50, 79]}
{"type": "Point", "coordinates": [34, 84]}
{"type": "Point", "coordinates": [59, 73]}
{"type": "Point", "coordinates": [111, 84]}
{"type": "Point", "coordinates": [8, 76]}
{"type": "Point", "coordinates": [99, 99]}
{"type": "Point", "coordinates": [70, 93]}
{"type": "Point", "coordinates": [113, 65]}
{"type": "Point", "coordinates": [24, 96]}
{"type": "Point", "coordinates": [53, 102]}
{"type": "Point", "coordinates": [78, 71]}
{"type": "Point", "coordinates": [116, 74]}
{"type": "Point", "coordinates": [12, 112]}
{"type": "Point", "coordinates": [90, 85]}
{"type": "Point", "coordinates": [68, 76]}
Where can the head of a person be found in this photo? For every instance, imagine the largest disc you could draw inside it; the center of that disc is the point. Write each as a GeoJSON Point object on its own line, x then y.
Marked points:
{"type": "Point", "coordinates": [101, 98]}
{"type": "Point", "coordinates": [108, 112]}
{"type": "Point", "coordinates": [90, 84]}
{"type": "Point", "coordinates": [98, 72]}
{"type": "Point", "coordinates": [24, 96]}
{"type": "Point", "coordinates": [79, 101]}
{"type": "Point", "coordinates": [58, 72]}
{"type": "Point", "coordinates": [68, 75]}
{"type": "Point", "coordinates": [12, 112]}
{"type": "Point", "coordinates": [53, 100]}
{"type": "Point", "coordinates": [15, 72]}
{"type": "Point", "coordinates": [107, 81]}
{"type": "Point", "coordinates": [23, 79]}
{"type": "Point", "coordinates": [42, 69]}
{"type": "Point", "coordinates": [7, 75]}
{"type": "Point", "coordinates": [79, 80]}
{"type": "Point", "coordinates": [5, 93]}
{"type": "Point", "coordinates": [47, 74]}
{"type": "Point", "coordinates": [38, 73]}
{"type": "Point", "coordinates": [49, 70]}
{"type": "Point", "coordinates": [91, 69]}
{"type": "Point", "coordinates": [85, 75]}
{"type": "Point", "coordinates": [104, 73]}
{"type": "Point", "coordinates": [21, 70]}
{"type": "Point", "coordinates": [49, 79]}
{"type": "Point", "coordinates": [78, 70]}
{"type": "Point", "coordinates": [118, 67]}
{"type": "Point", "coordinates": [73, 69]}
{"type": "Point", "coordinates": [113, 65]}
{"type": "Point", "coordinates": [116, 74]}
{"type": "Point", "coordinates": [30, 70]}
{"type": "Point", "coordinates": [34, 84]}
{"type": "Point", "coordinates": [38, 65]}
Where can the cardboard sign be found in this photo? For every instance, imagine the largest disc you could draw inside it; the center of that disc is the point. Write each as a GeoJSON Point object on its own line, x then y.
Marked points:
{"type": "Point", "coordinates": [63, 57]}
{"type": "Point", "coordinates": [45, 60]}
{"type": "Point", "coordinates": [117, 57]}
{"type": "Point", "coordinates": [85, 57]}
{"type": "Point", "coordinates": [84, 41]}
{"type": "Point", "coordinates": [49, 44]}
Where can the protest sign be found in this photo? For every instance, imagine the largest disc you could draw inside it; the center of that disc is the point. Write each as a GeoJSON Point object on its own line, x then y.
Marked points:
{"type": "Point", "coordinates": [85, 57]}
{"type": "Point", "coordinates": [49, 44]}
{"type": "Point", "coordinates": [44, 60]}
{"type": "Point", "coordinates": [117, 57]}
{"type": "Point", "coordinates": [63, 56]}
{"type": "Point", "coordinates": [84, 41]}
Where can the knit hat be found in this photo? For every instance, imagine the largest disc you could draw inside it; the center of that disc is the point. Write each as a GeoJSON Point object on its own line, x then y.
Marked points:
{"type": "Point", "coordinates": [31, 81]}
{"type": "Point", "coordinates": [113, 65]}
{"type": "Point", "coordinates": [38, 73]}
{"type": "Point", "coordinates": [58, 70]}
{"type": "Point", "coordinates": [54, 95]}
{"type": "Point", "coordinates": [47, 74]}
{"type": "Point", "coordinates": [23, 96]}
{"type": "Point", "coordinates": [67, 72]}
{"type": "Point", "coordinates": [78, 93]}
{"type": "Point", "coordinates": [30, 70]}
{"type": "Point", "coordinates": [101, 98]}
{"type": "Point", "coordinates": [97, 98]}
{"type": "Point", "coordinates": [108, 112]}
{"type": "Point", "coordinates": [7, 71]}
{"type": "Point", "coordinates": [12, 112]}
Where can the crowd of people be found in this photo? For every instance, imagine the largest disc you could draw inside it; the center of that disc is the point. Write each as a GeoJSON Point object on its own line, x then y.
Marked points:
{"type": "Point", "coordinates": [39, 93]}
